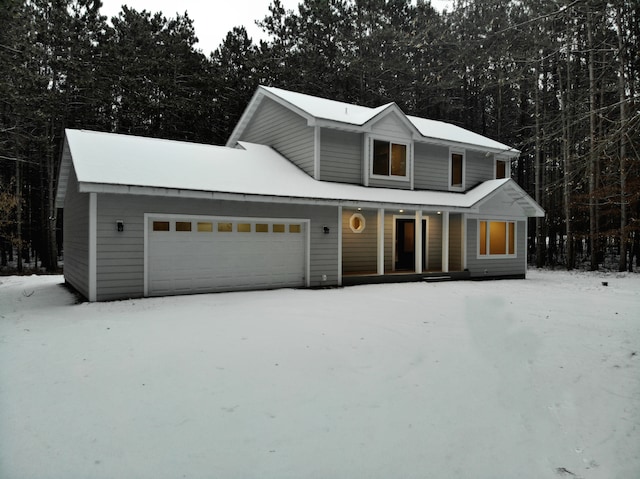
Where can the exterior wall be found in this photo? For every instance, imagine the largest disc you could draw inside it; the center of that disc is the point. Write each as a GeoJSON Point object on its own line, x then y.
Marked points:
{"type": "Point", "coordinates": [431, 170]}
{"type": "Point", "coordinates": [360, 250]}
{"type": "Point", "coordinates": [286, 132]}
{"type": "Point", "coordinates": [434, 242]}
{"type": "Point", "coordinates": [391, 126]}
{"type": "Point", "coordinates": [479, 168]}
{"type": "Point", "coordinates": [481, 267]}
{"type": "Point", "coordinates": [120, 255]}
{"type": "Point", "coordinates": [340, 156]}
{"type": "Point", "coordinates": [455, 242]}
{"type": "Point", "coordinates": [76, 237]}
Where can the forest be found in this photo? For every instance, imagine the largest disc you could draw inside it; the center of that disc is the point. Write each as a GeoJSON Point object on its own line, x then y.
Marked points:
{"type": "Point", "coordinates": [557, 79]}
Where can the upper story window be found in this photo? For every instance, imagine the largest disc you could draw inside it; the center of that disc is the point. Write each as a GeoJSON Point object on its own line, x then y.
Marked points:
{"type": "Point", "coordinates": [501, 169]}
{"type": "Point", "coordinates": [456, 170]}
{"type": "Point", "coordinates": [389, 159]}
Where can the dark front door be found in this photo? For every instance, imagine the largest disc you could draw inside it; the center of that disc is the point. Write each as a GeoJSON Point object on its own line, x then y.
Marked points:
{"type": "Point", "coordinates": [405, 244]}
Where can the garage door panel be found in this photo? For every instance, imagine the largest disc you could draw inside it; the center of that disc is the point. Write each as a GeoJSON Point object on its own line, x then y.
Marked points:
{"type": "Point", "coordinates": [222, 256]}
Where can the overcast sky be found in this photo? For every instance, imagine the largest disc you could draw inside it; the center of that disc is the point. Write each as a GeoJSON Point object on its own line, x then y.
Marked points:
{"type": "Point", "coordinates": [212, 22]}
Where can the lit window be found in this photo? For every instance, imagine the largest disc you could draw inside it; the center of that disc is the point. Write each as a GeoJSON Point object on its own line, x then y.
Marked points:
{"type": "Point", "coordinates": [244, 227]}
{"type": "Point", "coordinates": [225, 227]}
{"type": "Point", "coordinates": [183, 225]}
{"type": "Point", "coordinates": [205, 227]}
{"type": "Point", "coordinates": [457, 170]}
{"type": "Point", "coordinates": [357, 223]}
{"type": "Point", "coordinates": [501, 169]}
{"type": "Point", "coordinates": [294, 229]}
{"type": "Point", "coordinates": [262, 228]}
{"type": "Point", "coordinates": [497, 238]}
{"type": "Point", "coordinates": [389, 159]}
{"type": "Point", "coordinates": [278, 228]}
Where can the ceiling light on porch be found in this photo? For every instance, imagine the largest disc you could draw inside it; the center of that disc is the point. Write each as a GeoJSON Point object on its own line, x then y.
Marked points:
{"type": "Point", "coordinates": [401, 211]}
{"type": "Point", "coordinates": [439, 212]}
{"type": "Point", "coordinates": [359, 209]}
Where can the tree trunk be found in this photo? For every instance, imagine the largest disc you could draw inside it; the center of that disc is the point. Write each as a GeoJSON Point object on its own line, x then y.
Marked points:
{"type": "Point", "coordinates": [592, 147]}
{"type": "Point", "coordinates": [623, 144]}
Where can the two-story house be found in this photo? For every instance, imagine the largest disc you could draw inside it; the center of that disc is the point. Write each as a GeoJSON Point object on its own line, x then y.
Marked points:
{"type": "Point", "coordinates": [307, 192]}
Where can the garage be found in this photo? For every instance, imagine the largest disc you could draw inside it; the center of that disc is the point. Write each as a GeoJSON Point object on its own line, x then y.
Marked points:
{"type": "Point", "coordinates": [195, 254]}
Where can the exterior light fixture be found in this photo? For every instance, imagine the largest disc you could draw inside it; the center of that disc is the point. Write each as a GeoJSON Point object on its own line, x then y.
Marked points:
{"type": "Point", "coordinates": [401, 211]}
{"type": "Point", "coordinates": [119, 226]}
{"type": "Point", "coordinates": [326, 230]}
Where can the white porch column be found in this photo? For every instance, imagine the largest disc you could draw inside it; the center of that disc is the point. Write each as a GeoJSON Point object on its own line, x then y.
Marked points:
{"type": "Point", "coordinates": [418, 242]}
{"type": "Point", "coordinates": [339, 245]}
{"type": "Point", "coordinates": [445, 241]}
{"type": "Point", "coordinates": [380, 241]}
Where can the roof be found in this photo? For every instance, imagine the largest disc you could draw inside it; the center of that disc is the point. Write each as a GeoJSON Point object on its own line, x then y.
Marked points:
{"type": "Point", "coordinates": [108, 162]}
{"type": "Point", "coordinates": [316, 108]}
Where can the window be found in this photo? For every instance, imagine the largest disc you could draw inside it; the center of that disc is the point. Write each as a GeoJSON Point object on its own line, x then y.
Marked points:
{"type": "Point", "coordinates": [183, 225]}
{"type": "Point", "coordinates": [497, 238]}
{"type": "Point", "coordinates": [389, 159]}
{"type": "Point", "coordinates": [161, 226]}
{"type": "Point", "coordinates": [262, 228]}
{"type": "Point", "coordinates": [501, 169]}
{"type": "Point", "coordinates": [225, 227]}
{"type": "Point", "coordinates": [205, 227]}
{"type": "Point", "coordinates": [244, 227]}
{"type": "Point", "coordinates": [357, 223]}
{"type": "Point", "coordinates": [278, 228]}
{"type": "Point", "coordinates": [456, 172]}
{"type": "Point", "coordinates": [295, 229]}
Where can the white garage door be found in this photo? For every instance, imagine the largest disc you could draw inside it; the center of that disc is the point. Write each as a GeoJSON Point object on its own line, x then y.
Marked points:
{"type": "Point", "coordinates": [196, 254]}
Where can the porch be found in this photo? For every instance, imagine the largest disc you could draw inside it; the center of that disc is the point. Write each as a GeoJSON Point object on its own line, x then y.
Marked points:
{"type": "Point", "coordinates": [387, 246]}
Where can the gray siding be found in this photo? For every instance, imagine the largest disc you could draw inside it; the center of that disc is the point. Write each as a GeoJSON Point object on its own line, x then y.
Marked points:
{"type": "Point", "coordinates": [431, 167]}
{"type": "Point", "coordinates": [76, 236]}
{"type": "Point", "coordinates": [434, 244]}
{"type": "Point", "coordinates": [495, 267]}
{"type": "Point", "coordinates": [285, 131]}
{"type": "Point", "coordinates": [340, 156]}
{"type": "Point", "coordinates": [391, 125]}
{"type": "Point", "coordinates": [360, 250]}
{"type": "Point", "coordinates": [455, 242]}
{"type": "Point", "coordinates": [384, 183]}
{"type": "Point", "coordinates": [479, 168]}
{"type": "Point", "coordinates": [120, 256]}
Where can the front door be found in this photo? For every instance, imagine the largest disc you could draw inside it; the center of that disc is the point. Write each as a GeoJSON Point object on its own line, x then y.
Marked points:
{"type": "Point", "coordinates": [405, 244]}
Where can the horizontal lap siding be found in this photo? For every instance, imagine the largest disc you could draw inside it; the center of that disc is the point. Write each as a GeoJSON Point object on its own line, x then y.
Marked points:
{"type": "Point", "coordinates": [495, 267]}
{"type": "Point", "coordinates": [120, 255]}
{"type": "Point", "coordinates": [360, 250]}
{"type": "Point", "coordinates": [431, 167]}
{"type": "Point", "coordinates": [340, 156]}
{"type": "Point", "coordinates": [76, 237]}
{"type": "Point", "coordinates": [455, 242]}
{"type": "Point", "coordinates": [434, 243]}
{"type": "Point", "coordinates": [479, 168]}
{"type": "Point", "coordinates": [285, 131]}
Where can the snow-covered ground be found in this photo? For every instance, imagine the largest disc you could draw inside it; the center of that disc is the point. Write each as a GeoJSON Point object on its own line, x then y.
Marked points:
{"type": "Point", "coordinates": [500, 379]}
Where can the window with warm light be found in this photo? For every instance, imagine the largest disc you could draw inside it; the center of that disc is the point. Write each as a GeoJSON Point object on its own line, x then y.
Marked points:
{"type": "Point", "coordinates": [496, 238]}
{"type": "Point", "coordinates": [456, 170]}
{"type": "Point", "coordinates": [389, 159]}
{"type": "Point", "coordinates": [501, 169]}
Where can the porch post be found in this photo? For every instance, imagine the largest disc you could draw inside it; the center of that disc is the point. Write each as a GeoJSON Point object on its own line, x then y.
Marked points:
{"type": "Point", "coordinates": [418, 242]}
{"type": "Point", "coordinates": [339, 245]}
{"type": "Point", "coordinates": [445, 241]}
{"type": "Point", "coordinates": [380, 241]}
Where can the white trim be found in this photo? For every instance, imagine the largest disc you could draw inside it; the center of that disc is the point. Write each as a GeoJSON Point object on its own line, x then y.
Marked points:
{"type": "Point", "coordinates": [464, 241]}
{"type": "Point", "coordinates": [418, 252]}
{"type": "Point", "coordinates": [248, 219]}
{"type": "Point", "coordinates": [489, 256]}
{"type": "Point", "coordinates": [425, 240]}
{"type": "Point", "coordinates": [93, 247]}
{"type": "Point", "coordinates": [391, 140]}
{"type": "Point", "coordinates": [380, 241]}
{"type": "Point", "coordinates": [339, 246]}
{"type": "Point", "coordinates": [445, 242]}
{"type": "Point", "coordinates": [457, 151]}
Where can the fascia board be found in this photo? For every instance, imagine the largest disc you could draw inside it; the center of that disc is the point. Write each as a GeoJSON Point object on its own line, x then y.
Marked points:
{"type": "Point", "coordinates": [102, 188]}
{"type": "Point", "coordinates": [509, 154]}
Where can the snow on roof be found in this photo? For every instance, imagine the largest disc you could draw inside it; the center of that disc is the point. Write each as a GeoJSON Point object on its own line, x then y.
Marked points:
{"type": "Point", "coordinates": [326, 109]}
{"type": "Point", "coordinates": [114, 159]}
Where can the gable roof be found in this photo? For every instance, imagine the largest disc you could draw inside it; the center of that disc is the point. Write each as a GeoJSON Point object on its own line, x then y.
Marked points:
{"type": "Point", "coordinates": [114, 163]}
{"type": "Point", "coordinates": [316, 109]}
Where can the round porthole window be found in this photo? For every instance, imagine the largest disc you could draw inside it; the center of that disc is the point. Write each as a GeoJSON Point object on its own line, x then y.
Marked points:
{"type": "Point", "coordinates": [357, 223]}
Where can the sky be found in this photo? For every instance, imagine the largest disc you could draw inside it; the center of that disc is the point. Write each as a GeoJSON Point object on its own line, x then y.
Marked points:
{"type": "Point", "coordinates": [211, 22]}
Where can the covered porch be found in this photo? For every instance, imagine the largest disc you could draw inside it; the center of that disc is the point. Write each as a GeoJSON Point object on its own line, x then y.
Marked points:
{"type": "Point", "coordinates": [386, 245]}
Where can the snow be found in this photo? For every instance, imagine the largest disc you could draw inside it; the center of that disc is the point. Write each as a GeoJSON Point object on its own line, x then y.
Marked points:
{"type": "Point", "coordinates": [359, 115]}
{"type": "Point", "coordinates": [535, 378]}
{"type": "Point", "coordinates": [114, 159]}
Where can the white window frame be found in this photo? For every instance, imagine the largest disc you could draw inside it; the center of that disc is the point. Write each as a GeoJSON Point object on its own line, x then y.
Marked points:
{"type": "Point", "coordinates": [408, 158]}
{"type": "Point", "coordinates": [507, 167]}
{"type": "Point", "coordinates": [488, 255]}
{"type": "Point", "coordinates": [457, 151]}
